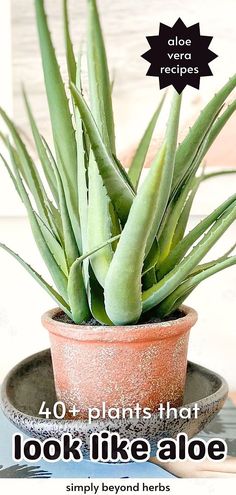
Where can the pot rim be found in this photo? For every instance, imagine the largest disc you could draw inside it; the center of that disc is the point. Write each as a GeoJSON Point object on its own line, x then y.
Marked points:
{"type": "Point", "coordinates": [119, 333]}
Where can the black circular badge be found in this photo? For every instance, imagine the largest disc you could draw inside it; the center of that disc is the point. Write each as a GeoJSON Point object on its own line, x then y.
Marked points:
{"type": "Point", "coordinates": [179, 56]}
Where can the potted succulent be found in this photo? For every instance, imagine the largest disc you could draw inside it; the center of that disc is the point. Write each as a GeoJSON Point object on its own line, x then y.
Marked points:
{"type": "Point", "coordinates": [117, 251]}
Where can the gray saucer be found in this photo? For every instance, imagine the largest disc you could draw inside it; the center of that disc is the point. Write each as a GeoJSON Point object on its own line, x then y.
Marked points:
{"type": "Point", "coordinates": [31, 382]}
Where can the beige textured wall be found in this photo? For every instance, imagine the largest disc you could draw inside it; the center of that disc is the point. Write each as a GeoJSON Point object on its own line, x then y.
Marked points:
{"type": "Point", "coordinates": [126, 23]}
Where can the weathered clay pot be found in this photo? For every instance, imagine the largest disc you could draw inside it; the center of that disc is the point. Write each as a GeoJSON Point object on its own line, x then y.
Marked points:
{"type": "Point", "coordinates": [121, 366]}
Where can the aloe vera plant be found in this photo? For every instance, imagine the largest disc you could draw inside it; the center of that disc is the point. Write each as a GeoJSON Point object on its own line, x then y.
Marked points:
{"type": "Point", "coordinates": [115, 248]}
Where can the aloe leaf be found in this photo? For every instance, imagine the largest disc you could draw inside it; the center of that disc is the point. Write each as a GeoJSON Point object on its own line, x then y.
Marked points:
{"type": "Point", "coordinates": [152, 258]}
{"type": "Point", "coordinates": [96, 300]}
{"type": "Point", "coordinates": [13, 152]}
{"type": "Point", "coordinates": [55, 218]}
{"type": "Point", "coordinates": [166, 238]}
{"type": "Point", "coordinates": [203, 266]}
{"type": "Point", "coordinates": [123, 172]}
{"type": "Point", "coordinates": [29, 172]}
{"type": "Point", "coordinates": [99, 219]}
{"type": "Point", "coordinates": [70, 56]}
{"type": "Point", "coordinates": [230, 250]}
{"type": "Point", "coordinates": [50, 290]}
{"type": "Point", "coordinates": [171, 281]}
{"type": "Point", "coordinates": [81, 171]}
{"type": "Point", "coordinates": [56, 272]}
{"type": "Point", "coordinates": [172, 229]}
{"type": "Point", "coordinates": [177, 297]}
{"type": "Point", "coordinates": [62, 128]}
{"type": "Point", "coordinates": [212, 175]}
{"type": "Point", "coordinates": [8, 168]}
{"type": "Point", "coordinates": [32, 179]}
{"type": "Point", "coordinates": [118, 189]}
{"type": "Point", "coordinates": [168, 169]}
{"type": "Point", "coordinates": [188, 148]}
{"type": "Point", "coordinates": [186, 243]}
{"type": "Point", "coordinates": [54, 246]}
{"type": "Point", "coordinates": [71, 247]}
{"type": "Point", "coordinates": [195, 162]}
{"type": "Point", "coordinates": [184, 217]}
{"type": "Point", "coordinates": [76, 288]}
{"type": "Point", "coordinates": [88, 254]}
{"type": "Point", "coordinates": [139, 158]}
{"type": "Point", "coordinates": [183, 220]}
{"type": "Point", "coordinates": [99, 80]}
{"type": "Point", "coordinates": [77, 294]}
{"type": "Point", "coordinates": [45, 162]}
{"type": "Point", "coordinates": [3, 137]}
{"type": "Point", "coordinates": [99, 223]}
{"type": "Point", "coordinates": [86, 143]}
{"type": "Point", "coordinates": [123, 282]}
{"type": "Point", "coordinates": [22, 160]}
{"type": "Point", "coordinates": [72, 210]}
{"type": "Point", "coordinates": [215, 130]}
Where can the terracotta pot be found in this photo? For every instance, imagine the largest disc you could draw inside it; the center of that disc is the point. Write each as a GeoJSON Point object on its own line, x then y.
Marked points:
{"type": "Point", "coordinates": [121, 366]}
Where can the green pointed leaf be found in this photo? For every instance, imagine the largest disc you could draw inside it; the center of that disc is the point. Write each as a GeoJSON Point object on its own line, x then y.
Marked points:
{"type": "Point", "coordinates": [32, 179]}
{"type": "Point", "coordinates": [14, 154]}
{"type": "Point", "coordinates": [171, 281]}
{"type": "Point", "coordinates": [50, 290]}
{"type": "Point", "coordinates": [62, 128]}
{"type": "Point", "coordinates": [86, 143]}
{"type": "Point", "coordinates": [82, 170]}
{"type": "Point", "coordinates": [212, 175]}
{"type": "Point", "coordinates": [190, 145]}
{"type": "Point", "coordinates": [44, 160]}
{"type": "Point", "coordinates": [123, 173]}
{"type": "Point", "coordinates": [119, 191]}
{"type": "Point", "coordinates": [70, 57]}
{"type": "Point", "coordinates": [95, 291]}
{"type": "Point", "coordinates": [99, 219]}
{"type": "Point", "coordinates": [11, 175]}
{"type": "Point", "coordinates": [57, 274]}
{"type": "Point", "coordinates": [71, 248]}
{"type": "Point", "coordinates": [99, 223]}
{"type": "Point", "coordinates": [203, 266]}
{"type": "Point", "coordinates": [77, 294]}
{"type": "Point", "coordinates": [99, 80]}
{"type": "Point", "coordinates": [152, 258]}
{"type": "Point", "coordinates": [168, 169]}
{"type": "Point", "coordinates": [187, 242]}
{"type": "Point", "coordinates": [123, 282]}
{"type": "Point", "coordinates": [96, 300]}
{"type": "Point", "coordinates": [54, 246]}
{"type": "Point", "coordinates": [215, 130]}
{"type": "Point", "coordinates": [83, 152]}
{"type": "Point", "coordinates": [139, 158]}
{"type": "Point", "coordinates": [88, 254]}
{"type": "Point", "coordinates": [173, 215]}
{"type": "Point", "coordinates": [177, 297]}
{"type": "Point", "coordinates": [184, 217]}
{"type": "Point", "coordinates": [23, 161]}
{"type": "Point", "coordinates": [55, 218]}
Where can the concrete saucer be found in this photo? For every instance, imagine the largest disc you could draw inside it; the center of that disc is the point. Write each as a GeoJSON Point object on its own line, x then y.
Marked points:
{"type": "Point", "coordinates": [30, 383]}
